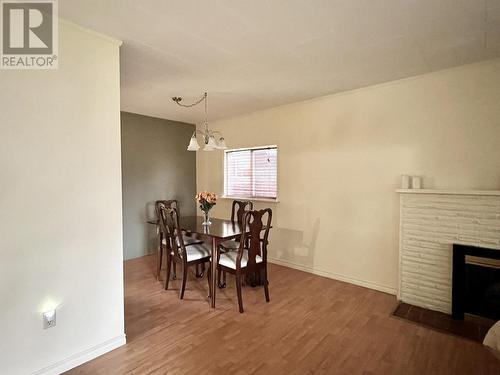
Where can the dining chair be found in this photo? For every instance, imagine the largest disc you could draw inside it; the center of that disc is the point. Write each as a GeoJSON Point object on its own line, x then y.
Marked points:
{"type": "Point", "coordinates": [238, 209]}
{"type": "Point", "coordinates": [162, 240]}
{"type": "Point", "coordinates": [177, 250]}
{"type": "Point", "coordinates": [251, 255]}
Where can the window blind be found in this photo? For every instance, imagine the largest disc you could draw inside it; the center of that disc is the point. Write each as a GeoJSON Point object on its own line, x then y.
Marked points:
{"type": "Point", "coordinates": [252, 173]}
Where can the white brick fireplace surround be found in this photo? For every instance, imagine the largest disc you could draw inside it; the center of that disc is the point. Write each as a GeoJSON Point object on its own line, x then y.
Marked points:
{"type": "Point", "coordinates": [431, 221]}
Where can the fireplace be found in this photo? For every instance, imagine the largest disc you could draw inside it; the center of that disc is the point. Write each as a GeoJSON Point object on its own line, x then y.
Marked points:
{"type": "Point", "coordinates": [431, 221]}
{"type": "Point", "coordinates": [476, 282]}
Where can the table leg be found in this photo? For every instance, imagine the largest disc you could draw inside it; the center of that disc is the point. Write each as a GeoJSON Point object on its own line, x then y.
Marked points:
{"type": "Point", "coordinates": [213, 281]}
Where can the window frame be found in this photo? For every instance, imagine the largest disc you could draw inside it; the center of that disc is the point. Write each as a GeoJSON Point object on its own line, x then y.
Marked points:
{"type": "Point", "coordinates": [266, 147]}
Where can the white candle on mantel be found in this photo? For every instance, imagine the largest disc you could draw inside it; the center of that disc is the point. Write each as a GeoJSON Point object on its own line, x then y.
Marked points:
{"type": "Point", "coordinates": [416, 182]}
{"type": "Point", "coordinates": [405, 181]}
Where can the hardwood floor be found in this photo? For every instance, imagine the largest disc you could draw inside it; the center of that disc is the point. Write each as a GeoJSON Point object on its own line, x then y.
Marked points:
{"type": "Point", "coordinates": [313, 325]}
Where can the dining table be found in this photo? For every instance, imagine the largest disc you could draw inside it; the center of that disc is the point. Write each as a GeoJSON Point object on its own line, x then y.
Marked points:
{"type": "Point", "coordinates": [218, 231]}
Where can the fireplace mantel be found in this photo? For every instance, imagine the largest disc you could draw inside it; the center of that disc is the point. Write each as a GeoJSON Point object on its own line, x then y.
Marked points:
{"type": "Point", "coordinates": [449, 192]}
{"type": "Point", "coordinates": [431, 221]}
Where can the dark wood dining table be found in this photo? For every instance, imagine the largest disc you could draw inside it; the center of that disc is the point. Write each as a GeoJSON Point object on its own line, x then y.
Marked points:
{"type": "Point", "coordinates": [219, 231]}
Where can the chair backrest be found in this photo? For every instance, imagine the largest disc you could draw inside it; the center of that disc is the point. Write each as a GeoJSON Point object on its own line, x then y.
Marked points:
{"type": "Point", "coordinates": [167, 204]}
{"type": "Point", "coordinates": [237, 214]}
{"type": "Point", "coordinates": [169, 225]}
{"type": "Point", "coordinates": [171, 203]}
{"type": "Point", "coordinates": [257, 239]}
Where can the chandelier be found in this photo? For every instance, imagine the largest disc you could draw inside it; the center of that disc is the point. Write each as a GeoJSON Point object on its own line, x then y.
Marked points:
{"type": "Point", "coordinates": [213, 139]}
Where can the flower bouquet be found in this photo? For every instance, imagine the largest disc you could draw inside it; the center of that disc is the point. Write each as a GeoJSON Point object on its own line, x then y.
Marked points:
{"type": "Point", "coordinates": [206, 200]}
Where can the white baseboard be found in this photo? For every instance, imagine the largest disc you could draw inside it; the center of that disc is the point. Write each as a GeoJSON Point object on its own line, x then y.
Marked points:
{"type": "Point", "coordinates": [333, 275]}
{"type": "Point", "coordinates": [82, 357]}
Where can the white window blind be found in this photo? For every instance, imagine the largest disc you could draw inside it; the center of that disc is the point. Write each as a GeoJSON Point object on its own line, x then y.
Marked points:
{"type": "Point", "coordinates": [252, 173]}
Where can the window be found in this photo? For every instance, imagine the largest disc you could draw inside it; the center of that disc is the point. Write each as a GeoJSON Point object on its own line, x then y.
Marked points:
{"type": "Point", "coordinates": [251, 173]}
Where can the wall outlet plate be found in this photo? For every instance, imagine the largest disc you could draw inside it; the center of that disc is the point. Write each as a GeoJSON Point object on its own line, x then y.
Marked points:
{"type": "Point", "coordinates": [49, 319]}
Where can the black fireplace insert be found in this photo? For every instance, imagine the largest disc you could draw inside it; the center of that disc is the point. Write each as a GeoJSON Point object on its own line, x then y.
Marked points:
{"type": "Point", "coordinates": [476, 282]}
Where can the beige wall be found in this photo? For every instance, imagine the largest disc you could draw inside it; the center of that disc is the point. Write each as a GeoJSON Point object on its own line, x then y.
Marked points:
{"type": "Point", "coordinates": [60, 208]}
{"type": "Point", "coordinates": [155, 165]}
{"type": "Point", "coordinates": [341, 157]}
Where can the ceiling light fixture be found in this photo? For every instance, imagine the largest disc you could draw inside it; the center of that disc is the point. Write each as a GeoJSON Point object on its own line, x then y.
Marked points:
{"type": "Point", "coordinates": [209, 136]}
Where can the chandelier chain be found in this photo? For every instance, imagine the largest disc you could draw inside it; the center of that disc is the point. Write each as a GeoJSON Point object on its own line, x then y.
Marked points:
{"type": "Point", "coordinates": [178, 99]}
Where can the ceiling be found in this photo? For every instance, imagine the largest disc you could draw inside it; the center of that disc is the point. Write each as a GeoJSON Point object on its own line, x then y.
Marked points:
{"type": "Point", "coordinates": [251, 55]}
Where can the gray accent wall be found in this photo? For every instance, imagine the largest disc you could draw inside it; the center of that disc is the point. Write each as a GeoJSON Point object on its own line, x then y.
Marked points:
{"type": "Point", "coordinates": [155, 165]}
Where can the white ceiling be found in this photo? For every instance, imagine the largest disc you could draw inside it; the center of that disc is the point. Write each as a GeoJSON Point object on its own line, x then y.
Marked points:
{"type": "Point", "coordinates": [257, 54]}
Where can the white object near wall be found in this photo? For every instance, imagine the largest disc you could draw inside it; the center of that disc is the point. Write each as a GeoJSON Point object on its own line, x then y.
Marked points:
{"type": "Point", "coordinates": [492, 339]}
{"type": "Point", "coordinates": [405, 181]}
{"type": "Point", "coordinates": [431, 221]}
{"type": "Point", "coordinates": [416, 182]}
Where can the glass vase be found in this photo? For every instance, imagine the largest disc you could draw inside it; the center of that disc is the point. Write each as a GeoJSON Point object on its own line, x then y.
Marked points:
{"type": "Point", "coordinates": [206, 218]}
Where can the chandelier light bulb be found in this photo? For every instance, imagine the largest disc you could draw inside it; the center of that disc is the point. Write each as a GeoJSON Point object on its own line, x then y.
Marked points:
{"type": "Point", "coordinates": [193, 144]}
{"type": "Point", "coordinates": [211, 145]}
{"type": "Point", "coordinates": [222, 144]}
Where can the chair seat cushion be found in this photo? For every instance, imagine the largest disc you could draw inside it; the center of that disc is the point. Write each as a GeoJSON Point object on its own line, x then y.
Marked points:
{"type": "Point", "coordinates": [190, 240]}
{"type": "Point", "coordinates": [187, 241]}
{"type": "Point", "coordinates": [197, 251]}
{"type": "Point", "coordinates": [229, 259]}
{"type": "Point", "coordinates": [230, 245]}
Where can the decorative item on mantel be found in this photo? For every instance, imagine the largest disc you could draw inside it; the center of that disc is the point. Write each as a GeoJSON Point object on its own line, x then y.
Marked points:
{"type": "Point", "coordinates": [206, 200]}
{"type": "Point", "coordinates": [208, 134]}
{"type": "Point", "coordinates": [405, 181]}
{"type": "Point", "coordinates": [416, 182]}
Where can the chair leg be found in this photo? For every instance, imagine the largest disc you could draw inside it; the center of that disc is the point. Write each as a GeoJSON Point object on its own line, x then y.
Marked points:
{"type": "Point", "coordinates": [209, 278]}
{"type": "Point", "coordinates": [183, 284]}
{"type": "Point", "coordinates": [221, 284]}
{"type": "Point", "coordinates": [201, 271]}
{"type": "Point", "coordinates": [266, 285]}
{"type": "Point", "coordinates": [238, 291]}
{"type": "Point", "coordinates": [159, 254]}
{"type": "Point", "coordinates": [174, 276]}
{"type": "Point", "coordinates": [169, 267]}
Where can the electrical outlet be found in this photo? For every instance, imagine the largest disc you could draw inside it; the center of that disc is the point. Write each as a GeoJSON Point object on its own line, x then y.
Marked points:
{"type": "Point", "coordinates": [49, 319]}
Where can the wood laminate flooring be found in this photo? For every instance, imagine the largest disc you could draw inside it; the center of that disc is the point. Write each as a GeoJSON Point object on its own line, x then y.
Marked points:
{"type": "Point", "coordinates": [313, 325]}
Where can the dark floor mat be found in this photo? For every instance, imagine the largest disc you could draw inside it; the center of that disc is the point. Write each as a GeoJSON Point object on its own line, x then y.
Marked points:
{"type": "Point", "coordinates": [472, 327]}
